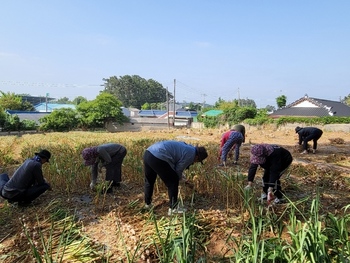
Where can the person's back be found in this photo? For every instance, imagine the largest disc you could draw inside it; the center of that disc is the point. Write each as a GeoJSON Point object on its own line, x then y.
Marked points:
{"type": "Point", "coordinates": [25, 176]}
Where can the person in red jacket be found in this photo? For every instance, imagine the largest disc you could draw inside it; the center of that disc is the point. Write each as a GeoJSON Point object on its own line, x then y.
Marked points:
{"type": "Point", "coordinates": [274, 160]}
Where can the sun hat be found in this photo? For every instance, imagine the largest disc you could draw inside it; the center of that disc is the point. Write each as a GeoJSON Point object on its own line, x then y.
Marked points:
{"type": "Point", "coordinates": [44, 154]}
{"type": "Point", "coordinates": [201, 152]}
{"type": "Point", "coordinates": [259, 153]}
{"type": "Point", "coordinates": [89, 155]}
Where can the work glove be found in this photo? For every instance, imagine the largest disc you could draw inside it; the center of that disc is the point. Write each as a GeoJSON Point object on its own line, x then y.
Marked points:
{"type": "Point", "coordinates": [183, 177]}
{"type": "Point", "coordinates": [270, 197]}
{"type": "Point", "coordinates": [248, 187]}
{"type": "Point", "coordinates": [92, 185]}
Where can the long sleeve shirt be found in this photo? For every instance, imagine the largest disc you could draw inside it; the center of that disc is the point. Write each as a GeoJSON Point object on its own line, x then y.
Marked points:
{"type": "Point", "coordinates": [235, 139]}
{"type": "Point", "coordinates": [28, 174]}
{"type": "Point", "coordinates": [178, 155]}
{"type": "Point", "coordinates": [304, 133]}
{"type": "Point", "coordinates": [275, 164]}
{"type": "Point", "coordinates": [105, 153]}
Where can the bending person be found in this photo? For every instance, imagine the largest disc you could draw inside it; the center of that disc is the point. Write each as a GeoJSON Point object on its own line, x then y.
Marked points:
{"type": "Point", "coordinates": [169, 159]}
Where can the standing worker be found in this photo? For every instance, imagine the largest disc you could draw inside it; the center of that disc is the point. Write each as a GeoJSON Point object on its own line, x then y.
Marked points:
{"type": "Point", "coordinates": [307, 134]}
{"type": "Point", "coordinates": [169, 159]}
{"type": "Point", "coordinates": [110, 156]}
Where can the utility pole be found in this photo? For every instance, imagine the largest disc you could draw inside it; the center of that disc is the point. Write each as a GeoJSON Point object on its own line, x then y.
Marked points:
{"type": "Point", "coordinates": [167, 102]}
{"type": "Point", "coordinates": [239, 98]}
{"type": "Point", "coordinates": [174, 111]}
{"type": "Point", "coordinates": [204, 95]}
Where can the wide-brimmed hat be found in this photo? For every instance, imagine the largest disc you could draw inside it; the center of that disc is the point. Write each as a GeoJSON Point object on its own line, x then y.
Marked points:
{"type": "Point", "coordinates": [44, 154]}
{"type": "Point", "coordinates": [201, 153]}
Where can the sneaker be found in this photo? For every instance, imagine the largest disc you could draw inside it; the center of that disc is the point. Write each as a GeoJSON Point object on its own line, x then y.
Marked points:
{"type": "Point", "coordinates": [278, 200]}
{"type": "Point", "coordinates": [313, 151]}
{"type": "Point", "coordinates": [179, 210]}
{"type": "Point", "coordinates": [148, 207]}
{"type": "Point", "coordinates": [263, 196]}
{"type": "Point", "coordinates": [92, 186]}
{"type": "Point", "coordinates": [304, 152]}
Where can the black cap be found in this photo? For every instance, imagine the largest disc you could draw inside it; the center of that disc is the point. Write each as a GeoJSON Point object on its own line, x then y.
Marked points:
{"type": "Point", "coordinates": [201, 152]}
{"type": "Point", "coordinates": [297, 129]}
{"type": "Point", "coordinates": [44, 154]}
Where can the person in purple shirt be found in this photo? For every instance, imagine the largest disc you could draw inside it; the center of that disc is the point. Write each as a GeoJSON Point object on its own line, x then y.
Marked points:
{"type": "Point", "coordinates": [110, 156]}
{"type": "Point", "coordinates": [27, 182]}
{"type": "Point", "coordinates": [169, 159]}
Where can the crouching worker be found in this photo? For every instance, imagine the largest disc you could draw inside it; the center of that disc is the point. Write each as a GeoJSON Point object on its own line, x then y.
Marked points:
{"type": "Point", "coordinates": [169, 159]}
{"type": "Point", "coordinates": [110, 156]}
{"type": "Point", "coordinates": [27, 182]}
{"type": "Point", "coordinates": [274, 160]}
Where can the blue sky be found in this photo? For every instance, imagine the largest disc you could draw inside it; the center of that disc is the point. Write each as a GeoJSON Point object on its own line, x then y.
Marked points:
{"type": "Point", "coordinates": [214, 49]}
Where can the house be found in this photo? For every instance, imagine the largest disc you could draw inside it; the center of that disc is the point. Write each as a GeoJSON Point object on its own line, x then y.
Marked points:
{"type": "Point", "coordinates": [313, 107]}
{"type": "Point", "coordinates": [212, 113]}
{"type": "Point", "coordinates": [49, 107]}
{"type": "Point", "coordinates": [28, 115]}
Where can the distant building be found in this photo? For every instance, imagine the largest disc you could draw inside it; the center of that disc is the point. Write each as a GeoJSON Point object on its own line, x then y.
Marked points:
{"type": "Point", "coordinates": [312, 107]}
{"type": "Point", "coordinates": [49, 107]}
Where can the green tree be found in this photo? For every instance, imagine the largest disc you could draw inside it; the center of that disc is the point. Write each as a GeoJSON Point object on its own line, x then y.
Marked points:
{"type": "Point", "coordinates": [10, 101]}
{"type": "Point", "coordinates": [281, 101]}
{"type": "Point", "coordinates": [98, 112]}
{"type": "Point", "coordinates": [134, 91]}
{"type": "Point", "coordinates": [64, 100]}
{"type": "Point", "coordinates": [64, 119]}
{"type": "Point", "coordinates": [79, 100]}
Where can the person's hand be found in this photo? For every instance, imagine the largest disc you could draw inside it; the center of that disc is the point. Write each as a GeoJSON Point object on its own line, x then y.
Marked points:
{"type": "Point", "coordinates": [270, 197]}
{"type": "Point", "coordinates": [248, 187]}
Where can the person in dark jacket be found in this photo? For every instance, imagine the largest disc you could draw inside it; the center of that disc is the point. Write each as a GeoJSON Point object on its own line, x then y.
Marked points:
{"type": "Point", "coordinates": [274, 160]}
{"type": "Point", "coordinates": [169, 159]}
{"type": "Point", "coordinates": [307, 134]}
{"type": "Point", "coordinates": [110, 156]}
{"type": "Point", "coordinates": [27, 182]}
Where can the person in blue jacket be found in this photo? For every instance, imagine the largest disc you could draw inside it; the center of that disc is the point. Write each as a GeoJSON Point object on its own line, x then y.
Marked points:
{"type": "Point", "coordinates": [169, 159]}
{"type": "Point", "coordinates": [307, 134]}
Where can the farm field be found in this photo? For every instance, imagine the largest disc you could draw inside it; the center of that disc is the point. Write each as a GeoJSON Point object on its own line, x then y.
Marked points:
{"type": "Point", "coordinates": [115, 227]}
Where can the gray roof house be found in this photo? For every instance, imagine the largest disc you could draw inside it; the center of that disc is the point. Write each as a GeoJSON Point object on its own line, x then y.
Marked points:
{"type": "Point", "coordinates": [313, 107]}
{"type": "Point", "coordinates": [28, 115]}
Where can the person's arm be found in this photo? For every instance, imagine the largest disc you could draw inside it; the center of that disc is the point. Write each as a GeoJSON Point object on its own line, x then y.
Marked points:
{"type": "Point", "coordinates": [38, 174]}
{"type": "Point", "coordinates": [94, 173]}
{"type": "Point", "coordinates": [251, 172]}
{"type": "Point", "coordinates": [104, 155]}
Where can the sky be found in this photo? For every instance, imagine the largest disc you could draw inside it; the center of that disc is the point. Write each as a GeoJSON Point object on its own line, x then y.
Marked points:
{"type": "Point", "coordinates": [203, 50]}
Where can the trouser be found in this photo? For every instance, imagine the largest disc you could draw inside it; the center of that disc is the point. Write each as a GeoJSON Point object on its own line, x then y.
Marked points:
{"type": "Point", "coordinates": [154, 166]}
{"type": "Point", "coordinates": [277, 183]}
{"type": "Point", "coordinates": [114, 168]}
{"type": "Point", "coordinates": [314, 137]}
{"type": "Point", "coordinates": [28, 195]}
